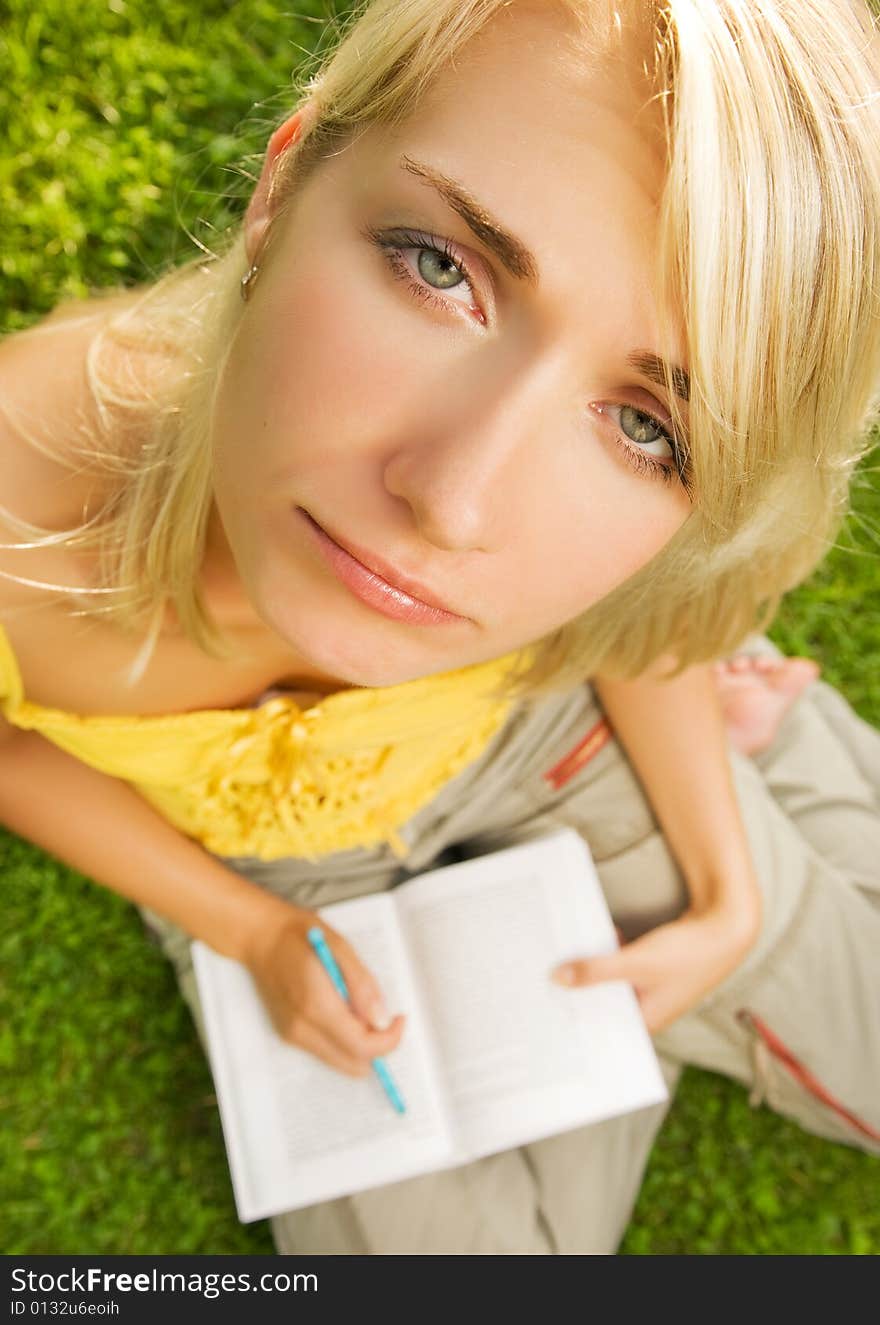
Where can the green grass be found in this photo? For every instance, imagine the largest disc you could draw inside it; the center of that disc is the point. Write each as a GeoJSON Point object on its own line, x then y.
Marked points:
{"type": "Point", "coordinates": [125, 120]}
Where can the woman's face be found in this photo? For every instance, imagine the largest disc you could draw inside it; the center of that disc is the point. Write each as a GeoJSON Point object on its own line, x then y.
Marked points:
{"type": "Point", "coordinates": [447, 391]}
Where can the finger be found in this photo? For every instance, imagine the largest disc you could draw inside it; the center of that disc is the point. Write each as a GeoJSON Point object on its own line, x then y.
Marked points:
{"type": "Point", "coordinates": [351, 1036]}
{"type": "Point", "coordinates": [353, 1057]}
{"type": "Point", "coordinates": [314, 1041]}
{"type": "Point", "coordinates": [378, 1043]}
{"type": "Point", "coordinates": [364, 994]}
{"type": "Point", "coordinates": [593, 970]}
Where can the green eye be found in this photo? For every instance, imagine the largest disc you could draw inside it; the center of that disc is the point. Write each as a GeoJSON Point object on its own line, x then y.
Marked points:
{"type": "Point", "coordinates": [646, 428]}
{"type": "Point", "coordinates": [635, 430]}
{"type": "Point", "coordinates": [438, 269]}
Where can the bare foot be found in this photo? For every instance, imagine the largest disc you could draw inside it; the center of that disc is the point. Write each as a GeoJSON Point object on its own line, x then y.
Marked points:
{"type": "Point", "coordinates": [756, 693]}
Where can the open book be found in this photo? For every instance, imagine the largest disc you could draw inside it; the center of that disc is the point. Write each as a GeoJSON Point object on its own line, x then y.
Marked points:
{"type": "Point", "coordinates": [494, 1053]}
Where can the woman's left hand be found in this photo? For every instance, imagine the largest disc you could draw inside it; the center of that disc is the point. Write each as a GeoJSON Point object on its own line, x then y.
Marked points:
{"type": "Point", "coordinates": [673, 967]}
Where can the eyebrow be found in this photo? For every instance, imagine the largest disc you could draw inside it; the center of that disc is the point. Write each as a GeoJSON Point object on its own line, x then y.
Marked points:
{"type": "Point", "coordinates": [522, 263]}
{"type": "Point", "coordinates": [650, 365]}
{"type": "Point", "coordinates": [512, 252]}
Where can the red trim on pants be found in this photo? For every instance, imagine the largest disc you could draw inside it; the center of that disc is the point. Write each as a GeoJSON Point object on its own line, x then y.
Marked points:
{"type": "Point", "coordinates": [571, 763]}
{"type": "Point", "coordinates": [803, 1074]}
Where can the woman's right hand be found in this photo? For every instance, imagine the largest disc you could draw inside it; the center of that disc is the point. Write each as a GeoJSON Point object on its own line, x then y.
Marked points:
{"type": "Point", "coordinates": [303, 1003]}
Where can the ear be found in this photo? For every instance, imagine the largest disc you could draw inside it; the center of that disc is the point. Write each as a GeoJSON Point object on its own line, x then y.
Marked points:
{"type": "Point", "coordinates": [259, 212]}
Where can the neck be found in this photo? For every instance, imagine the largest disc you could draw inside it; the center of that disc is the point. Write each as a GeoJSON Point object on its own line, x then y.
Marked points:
{"type": "Point", "coordinates": [227, 601]}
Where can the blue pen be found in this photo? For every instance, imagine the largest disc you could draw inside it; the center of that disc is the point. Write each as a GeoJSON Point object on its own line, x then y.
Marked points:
{"type": "Point", "coordinates": [328, 961]}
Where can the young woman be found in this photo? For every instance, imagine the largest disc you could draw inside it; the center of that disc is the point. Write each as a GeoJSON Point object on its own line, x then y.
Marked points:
{"type": "Point", "coordinates": [444, 507]}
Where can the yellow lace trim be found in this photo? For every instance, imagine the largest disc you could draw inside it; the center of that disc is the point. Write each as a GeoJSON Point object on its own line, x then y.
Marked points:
{"type": "Point", "coordinates": [277, 780]}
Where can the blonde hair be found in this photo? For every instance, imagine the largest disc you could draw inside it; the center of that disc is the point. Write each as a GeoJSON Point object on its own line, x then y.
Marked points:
{"type": "Point", "coordinates": [768, 262]}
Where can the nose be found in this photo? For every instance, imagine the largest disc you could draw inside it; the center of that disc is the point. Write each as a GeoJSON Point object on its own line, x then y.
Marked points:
{"type": "Point", "coordinates": [467, 465]}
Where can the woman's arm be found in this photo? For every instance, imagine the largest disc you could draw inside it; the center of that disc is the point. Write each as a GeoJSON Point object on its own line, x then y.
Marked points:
{"type": "Point", "coordinates": [100, 826]}
{"type": "Point", "coordinates": [103, 828]}
{"type": "Point", "coordinates": [674, 735]}
{"type": "Point", "coordinates": [673, 732]}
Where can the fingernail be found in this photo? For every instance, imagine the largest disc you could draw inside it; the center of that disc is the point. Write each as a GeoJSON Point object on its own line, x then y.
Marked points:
{"type": "Point", "coordinates": [379, 1018]}
{"type": "Point", "coordinates": [564, 975]}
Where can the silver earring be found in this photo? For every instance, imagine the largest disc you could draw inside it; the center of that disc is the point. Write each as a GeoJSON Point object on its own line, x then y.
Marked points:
{"type": "Point", "coordinates": [247, 281]}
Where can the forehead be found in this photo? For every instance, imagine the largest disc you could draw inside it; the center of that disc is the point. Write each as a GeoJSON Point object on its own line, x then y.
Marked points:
{"type": "Point", "coordinates": [558, 143]}
{"type": "Point", "coordinates": [529, 95]}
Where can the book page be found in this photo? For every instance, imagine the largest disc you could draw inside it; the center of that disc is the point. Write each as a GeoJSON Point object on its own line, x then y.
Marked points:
{"type": "Point", "coordinates": [521, 1056]}
{"type": "Point", "coordinates": [297, 1131]}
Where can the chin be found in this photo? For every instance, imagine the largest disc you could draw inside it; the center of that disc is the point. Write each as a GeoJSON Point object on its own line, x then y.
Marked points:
{"type": "Point", "coordinates": [358, 661]}
{"type": "Point", "coordinates": [354, 657]}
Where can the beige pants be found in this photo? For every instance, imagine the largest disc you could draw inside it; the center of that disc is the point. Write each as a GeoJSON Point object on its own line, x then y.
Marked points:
{"type": "Point", "coordinates": [798, 1022]}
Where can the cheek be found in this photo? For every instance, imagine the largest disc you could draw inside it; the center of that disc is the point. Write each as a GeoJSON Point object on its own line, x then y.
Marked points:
{"type": "Point", "coordinates": [328, 338]}
{"type": "Point", "coordinates": [638, 530]}
{"type": "Point", "coordinates": [594, 537]}
{"type": "Point", "coordinates": [314, 363]}
{"type": "Point", "coordinates": [332, 360]}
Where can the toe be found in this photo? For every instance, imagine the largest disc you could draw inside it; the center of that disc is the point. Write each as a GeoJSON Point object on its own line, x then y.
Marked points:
{"type": "Point", "coordinates": [796, 675]}
{"type": "Point", "coordinates": [766, 662]}
{"type": "Point", "coordinates": [806, 667]}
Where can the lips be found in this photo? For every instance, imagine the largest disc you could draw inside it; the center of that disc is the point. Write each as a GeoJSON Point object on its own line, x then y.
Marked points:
{"type": "Point", "coordinates": [379, 583]}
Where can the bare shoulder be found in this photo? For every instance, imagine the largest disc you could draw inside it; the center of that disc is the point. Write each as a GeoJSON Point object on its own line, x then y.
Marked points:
{"type": "Point", "coordinates": [46, 413]}
{"type": "Point", "coordinates": [65, 661]}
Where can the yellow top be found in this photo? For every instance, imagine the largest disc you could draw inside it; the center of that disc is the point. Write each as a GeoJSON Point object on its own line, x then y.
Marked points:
{"type": "Point", "coordinates": [277, 780]}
